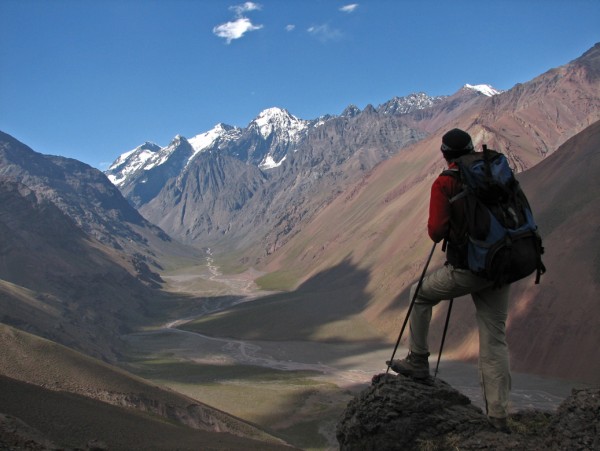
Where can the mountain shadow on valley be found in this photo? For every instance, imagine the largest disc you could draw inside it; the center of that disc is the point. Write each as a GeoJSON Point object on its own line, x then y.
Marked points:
{"type": "Point", "coordinates": [326, 307]}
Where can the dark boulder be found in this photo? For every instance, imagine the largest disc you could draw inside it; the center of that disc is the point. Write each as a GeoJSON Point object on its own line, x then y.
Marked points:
{"type": "Point", "coordinates": [399, 413]}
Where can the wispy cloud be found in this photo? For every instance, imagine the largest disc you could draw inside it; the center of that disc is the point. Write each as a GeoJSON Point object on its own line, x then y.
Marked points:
{"type": "Point", "coordinates": [241, 25]}
{"type": "Point", "coordinates": [349, 8]}
{"type": "Point", "coordinates": [325, 33]}
{"type": "Point", "coordinates": [236, 29]}
{"type": "Point", "coordinates": [290, 27]}
{"type": "Point", "coordinates": [239, 10]}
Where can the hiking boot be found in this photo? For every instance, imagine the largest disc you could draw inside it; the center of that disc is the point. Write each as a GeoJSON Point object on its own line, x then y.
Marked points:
{"type": "Point", "coordinates": [500, 424]}
{"type": "Point", "coordinates": [414, 365]}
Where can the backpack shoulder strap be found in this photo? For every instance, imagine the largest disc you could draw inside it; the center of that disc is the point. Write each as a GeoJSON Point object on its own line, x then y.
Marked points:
{"type": "Point", "coordinates": [454, 172]}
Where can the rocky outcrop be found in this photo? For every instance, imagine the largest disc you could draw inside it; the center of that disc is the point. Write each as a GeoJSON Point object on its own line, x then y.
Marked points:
{"type": "Point", "coordinates": [399, 413]}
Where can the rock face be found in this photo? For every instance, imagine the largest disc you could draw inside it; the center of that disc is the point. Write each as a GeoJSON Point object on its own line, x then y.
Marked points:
{"type": "Point", "coordinates": [399, 413]}
{"type": "Point", "coordinates": [82, 193]}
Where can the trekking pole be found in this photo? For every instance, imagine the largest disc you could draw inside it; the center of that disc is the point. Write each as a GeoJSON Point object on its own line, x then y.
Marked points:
{"type": "Point", "coordinates": [412, 302]}
{"type": "Point", "coordinates": [443, 337]}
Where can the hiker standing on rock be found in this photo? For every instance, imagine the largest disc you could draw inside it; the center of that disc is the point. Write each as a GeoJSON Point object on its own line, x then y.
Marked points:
{"type": "Point", "coordinates": [447, 221]}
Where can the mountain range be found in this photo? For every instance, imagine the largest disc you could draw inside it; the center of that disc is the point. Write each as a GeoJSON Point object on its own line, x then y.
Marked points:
{"type": "Point", "coordinates": [230, 187]}
{"type": "Point", "coordinates": [332, 213]}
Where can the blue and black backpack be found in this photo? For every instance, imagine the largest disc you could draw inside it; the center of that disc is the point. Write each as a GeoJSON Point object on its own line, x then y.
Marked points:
{"type": "Point", "coordinates": [502, 239]}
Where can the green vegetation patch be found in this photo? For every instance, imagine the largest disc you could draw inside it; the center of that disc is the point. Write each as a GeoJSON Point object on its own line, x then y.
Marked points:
{"type": "Point", "coordinates": [288, 316]}
{"type": "Point", "coordinates": [306, 435]}
{"type": "Point", "coordinates": [292, 405]}
{"type": "Point", "coordinates": [170, 369]}
{"type": "Point", "coordinates": [278, 281]}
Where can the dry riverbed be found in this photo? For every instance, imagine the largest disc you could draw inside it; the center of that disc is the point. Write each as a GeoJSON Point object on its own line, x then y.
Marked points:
{"type": "Point", "coordinates": [294, 389]}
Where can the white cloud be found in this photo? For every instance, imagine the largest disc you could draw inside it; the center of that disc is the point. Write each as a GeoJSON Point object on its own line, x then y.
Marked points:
{"type": "Point", "coordinates": [325, 33]}
{"type": "Point", "coordinates": [236, 29]}
{"type": "Point", "coordinates": [290, 27]}
{"type": "Point", "coordinates": [349, 8]}
{"type": "Point", "coordinates": [239, 10]}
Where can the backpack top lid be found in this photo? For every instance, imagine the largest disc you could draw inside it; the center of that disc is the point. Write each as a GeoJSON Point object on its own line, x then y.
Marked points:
{"type": "Point", "coordinates": [488, 175]}
{"type": "Point", "coordinates": [456, 143]}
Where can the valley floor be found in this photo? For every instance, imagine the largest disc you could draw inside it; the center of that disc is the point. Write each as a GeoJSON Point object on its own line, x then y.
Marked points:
{"type": "Point", "coordinates": [296, 390]}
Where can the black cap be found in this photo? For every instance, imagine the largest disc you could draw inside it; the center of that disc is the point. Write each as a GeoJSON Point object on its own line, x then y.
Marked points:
{"type": "Point", "coordinates": [455, 143]}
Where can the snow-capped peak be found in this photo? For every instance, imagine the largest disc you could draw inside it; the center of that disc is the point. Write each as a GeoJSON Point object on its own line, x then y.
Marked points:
{"type": "Point", "coordinates": [131, 161]}
{"type": "Point", "coordinates": [271, 114]}
{"type": "Point", "coordinates": [275, 118]}
{"type": "Point", "coordinates": [409, 103]}
{"type": "Point", "coordinates": [204, 140]}
{"type": "Point", "coordinates": [146, 150]}
{"type": "Point", "coordinates": [484, 89]}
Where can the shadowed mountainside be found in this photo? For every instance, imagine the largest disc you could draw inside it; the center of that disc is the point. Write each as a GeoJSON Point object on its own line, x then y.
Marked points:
{"type": "Point", "coordinates": [564, 191]}
{"type": "Point", "coordinates": [57, 280]}
{"type": "Point", "coordinates": [72, 399]}
{"type": "Point", "coordinates": [82, 193]}
{"type": "Point", "coordinates": [58, 283]}
{"type": "Point", "coordinates": [77, 263]}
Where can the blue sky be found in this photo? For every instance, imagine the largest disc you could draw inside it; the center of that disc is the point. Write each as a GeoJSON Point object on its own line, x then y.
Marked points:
{"type": "Point", "coordinates": [93, 79]}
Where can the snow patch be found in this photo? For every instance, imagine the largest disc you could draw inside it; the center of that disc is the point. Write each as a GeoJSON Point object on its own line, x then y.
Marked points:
{"type": "Point", "coordinates": [270, 163]}
{"type": "Point", "coordinates": [204, 140]}
{"type": "Point", "coordinates": [484, 89]}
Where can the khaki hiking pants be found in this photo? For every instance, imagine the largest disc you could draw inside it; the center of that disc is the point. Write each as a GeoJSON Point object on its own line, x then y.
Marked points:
{"type": "Point", "coordinates": [492, 310]}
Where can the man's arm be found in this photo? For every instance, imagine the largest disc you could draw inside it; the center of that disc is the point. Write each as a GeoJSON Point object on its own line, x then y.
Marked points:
{"type": "Point", "coordinates": [438, 225]}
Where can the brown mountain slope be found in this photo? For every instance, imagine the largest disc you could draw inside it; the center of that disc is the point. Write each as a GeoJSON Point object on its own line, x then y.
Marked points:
{"type": "Point", "coordinates": [71, 399]}
{"type": "Point", "coordinates": [75, 257]}
{"type": "Point", "coordinates": [526, 122]}
{"type": "Point", "coordinates": [560, 319]}
{"type": "Point", "coordinates": [548, 110]}
{"type": "Point", "coordinates": [379, 224]}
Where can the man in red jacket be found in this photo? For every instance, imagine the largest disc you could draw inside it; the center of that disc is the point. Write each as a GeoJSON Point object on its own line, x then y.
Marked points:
{"type": "Point", "coordinates": [454, 279]}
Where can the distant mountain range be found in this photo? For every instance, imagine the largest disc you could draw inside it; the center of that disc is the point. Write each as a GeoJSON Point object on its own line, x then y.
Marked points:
{"type": "Point", "coordinates": [231, 187]}
{"type": "Point", "coordinates": [273, 124]}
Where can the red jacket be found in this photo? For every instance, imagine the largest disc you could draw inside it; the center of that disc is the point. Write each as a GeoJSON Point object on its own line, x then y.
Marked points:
{"type": "Point", "coordinates": [446, 220]}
